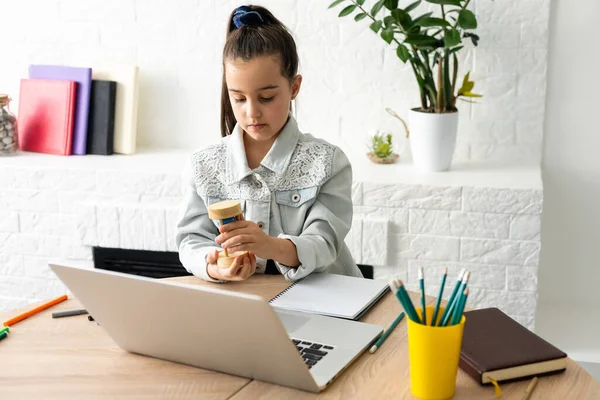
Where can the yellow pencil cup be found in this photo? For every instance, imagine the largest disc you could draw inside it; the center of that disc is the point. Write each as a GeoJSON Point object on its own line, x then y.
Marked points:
{"type": "Point", "coordinates": [434, 352]}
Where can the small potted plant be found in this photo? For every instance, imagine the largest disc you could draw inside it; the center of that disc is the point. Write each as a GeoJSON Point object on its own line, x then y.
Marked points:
{"type": "Point", "coordinates": [430, 44]}
{"type": "Point", "coordinates": [382, 149]}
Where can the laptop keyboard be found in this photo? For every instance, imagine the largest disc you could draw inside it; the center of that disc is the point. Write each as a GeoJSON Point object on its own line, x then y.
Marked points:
{"type": "Point", "coordinates": [312, 352]}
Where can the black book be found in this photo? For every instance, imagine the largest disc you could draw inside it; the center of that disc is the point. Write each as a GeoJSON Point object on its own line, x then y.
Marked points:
{"type": "Point", "coordinates": [101, 120]}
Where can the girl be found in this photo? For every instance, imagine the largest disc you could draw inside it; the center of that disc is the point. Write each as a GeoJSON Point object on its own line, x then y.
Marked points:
{"type": "Point", "coordinates": [294, 188]}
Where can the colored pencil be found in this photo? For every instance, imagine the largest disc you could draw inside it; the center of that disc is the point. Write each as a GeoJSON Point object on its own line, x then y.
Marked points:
{"type": "Point", "coordinates": [450, 308]}
{"type": "Point", "coordinates": [439, 299]}
{"type": "Point", "coordinates": [530, 388]}
{"type": "Point", "coordinates": [422, 285]}
{"type": "Point", "coordinates": [36, 310]}
{"type": "Point", "coordinates": [460, 308]}
{"type": "Point", "coordinates": [68, 313]}
{"type": "Point", "coordinates": [5, 329]}
{"type": "Point", "coordinates": [3, 335]}
{"type": "Point", "coordinates": [408, 303]}
{"type": "Point", "coordinates": [452, 295]}
{"type": "Point", "coordinates": [386, 333]}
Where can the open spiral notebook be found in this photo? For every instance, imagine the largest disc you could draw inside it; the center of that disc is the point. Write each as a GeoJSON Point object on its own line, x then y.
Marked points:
{"type": "Point", "coordinates": [331, 295]}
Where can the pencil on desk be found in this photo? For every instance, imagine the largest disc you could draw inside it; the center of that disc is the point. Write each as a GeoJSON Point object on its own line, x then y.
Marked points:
{"type": "Point", "coordinates": [3, 335]}
{"type": "Point", "coordinates": [36, 310]}
{"type": "Point", "coordinates": [422, 285]}
{"type": "Point", "coordinates": [68, 313]}
{"type": "Point", "coordinates": [386, 333]}
{"type": "Point", "coordinates": [5, 329]}
{"type": "Point", "coordinates": [452, 295]}
{"type": "Point", "coordinates": [530, 388]}
{"type": "Point", "coordinates": [439, 299]}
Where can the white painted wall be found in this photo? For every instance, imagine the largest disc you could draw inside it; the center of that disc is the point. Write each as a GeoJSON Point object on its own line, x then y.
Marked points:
{"type": "Point", "coordinates": [351, 75]}
{"type": "Point", "coordinates": [569, 279]}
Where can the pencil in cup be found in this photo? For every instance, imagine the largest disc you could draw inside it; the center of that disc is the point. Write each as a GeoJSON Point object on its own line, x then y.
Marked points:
{"type": "Point", "coordinates": [460, 308]}
{"type": "Point", "coordinates": [422, 285]}
{"type": "Point", "coordinates": [453, 295]}
{"type": "Point", "coordinates": [453, 303]}
{"type": "Point", "coordinates": [387, 332]}
{"type": "Point", "coordinates": [34, 311]}
{"type": "Point", "coordinates": [398, 288]}
{"type": "Point", "coordinates": [439, 299]}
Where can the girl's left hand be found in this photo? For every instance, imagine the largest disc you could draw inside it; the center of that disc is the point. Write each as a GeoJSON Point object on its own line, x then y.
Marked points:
{"type": "Point", "coordinates": [245, 236]}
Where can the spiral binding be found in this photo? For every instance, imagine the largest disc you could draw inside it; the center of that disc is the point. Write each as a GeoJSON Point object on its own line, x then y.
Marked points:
{"type": "Point", "coordinates": [285, 290]}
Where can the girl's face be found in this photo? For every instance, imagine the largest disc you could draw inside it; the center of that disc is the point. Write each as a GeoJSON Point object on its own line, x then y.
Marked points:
{"type": "Point", "coordinates": [260, 96]}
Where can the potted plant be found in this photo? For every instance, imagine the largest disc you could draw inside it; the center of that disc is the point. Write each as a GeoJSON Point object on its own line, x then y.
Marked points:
{"type": "Point", "coordinates": [382, 149]}
{"type": "Point", "coordinates": [430, 44]}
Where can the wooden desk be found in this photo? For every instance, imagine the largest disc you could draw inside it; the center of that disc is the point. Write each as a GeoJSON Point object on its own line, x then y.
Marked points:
{"type": "Point", "coordinates": [74, 358]}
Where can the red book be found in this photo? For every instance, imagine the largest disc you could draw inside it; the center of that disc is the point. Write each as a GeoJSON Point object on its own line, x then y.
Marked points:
{"type": "Point", "coordinates": [46, 115]}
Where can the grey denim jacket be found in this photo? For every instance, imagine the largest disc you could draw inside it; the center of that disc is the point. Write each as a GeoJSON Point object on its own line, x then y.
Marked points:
{"type": "Point", "coordinates": [301, 191]}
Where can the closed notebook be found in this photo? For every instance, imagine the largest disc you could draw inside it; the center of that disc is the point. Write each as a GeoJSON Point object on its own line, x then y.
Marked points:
{"type": "Point", "coordinates": [46, 115]}
{"type": "Point", "coordinates": [126, 108]}
{"type": "Point", "coordinates": [101, 121]}
{"type": "Point", "coordinates": [331, 295]}
{"type": "Point", "coordinates": [496, 346]}
{"type": "Point", "coordinates": [83, 77]}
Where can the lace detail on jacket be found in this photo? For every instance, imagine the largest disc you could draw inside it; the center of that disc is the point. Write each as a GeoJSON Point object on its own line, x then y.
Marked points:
{"type": "Point", "coordinates": [311, 165]}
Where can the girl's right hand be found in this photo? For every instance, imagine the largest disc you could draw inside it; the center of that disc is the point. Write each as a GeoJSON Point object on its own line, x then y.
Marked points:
{"type": "Point", "coordinates": [242, 267]}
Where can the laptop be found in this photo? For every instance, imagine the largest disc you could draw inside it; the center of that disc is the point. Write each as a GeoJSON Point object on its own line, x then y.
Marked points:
{"type": "Point", "coordinates": [234, 333]}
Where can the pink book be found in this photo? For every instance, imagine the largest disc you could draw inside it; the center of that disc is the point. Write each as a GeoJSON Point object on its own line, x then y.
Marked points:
{"type": "Point", "coordinates": [83, 78]}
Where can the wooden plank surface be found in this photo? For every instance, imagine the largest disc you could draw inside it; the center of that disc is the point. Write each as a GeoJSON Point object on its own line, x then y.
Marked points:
{"type": "Point", "coordinates": [74, 358]}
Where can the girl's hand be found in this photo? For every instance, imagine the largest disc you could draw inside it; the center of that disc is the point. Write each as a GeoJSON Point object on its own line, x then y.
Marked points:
{"type": "Point", "coordinates": [241, 269]}
{"type": "Point", "coordinates": [245, 236]}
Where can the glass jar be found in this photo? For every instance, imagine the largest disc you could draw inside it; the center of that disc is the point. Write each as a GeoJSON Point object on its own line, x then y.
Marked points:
{"type": "Point", "coordinates": [8, 128]}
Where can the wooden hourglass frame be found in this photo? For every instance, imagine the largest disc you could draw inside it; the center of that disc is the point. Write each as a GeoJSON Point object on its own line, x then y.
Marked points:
{"type": "Point", "coordinates": [226, 212]}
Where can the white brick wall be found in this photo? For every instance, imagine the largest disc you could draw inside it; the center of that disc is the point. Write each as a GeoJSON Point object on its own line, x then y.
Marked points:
{"type": "Point", "coordinates": [350, 75]}
{"type": "Point", "coordinates": [56, 207]}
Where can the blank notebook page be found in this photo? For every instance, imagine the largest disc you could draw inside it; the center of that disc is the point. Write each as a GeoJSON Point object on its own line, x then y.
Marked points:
{"type": "Point", "coordinates": [331, 295]}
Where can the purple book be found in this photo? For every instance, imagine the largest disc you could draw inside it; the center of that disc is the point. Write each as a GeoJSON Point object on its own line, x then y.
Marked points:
{"type": "Point", "coordinates": [83, 77]}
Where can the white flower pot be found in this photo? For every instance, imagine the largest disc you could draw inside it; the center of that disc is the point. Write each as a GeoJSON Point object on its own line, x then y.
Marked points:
{"type": "Point", "coordinates": [432, 139]}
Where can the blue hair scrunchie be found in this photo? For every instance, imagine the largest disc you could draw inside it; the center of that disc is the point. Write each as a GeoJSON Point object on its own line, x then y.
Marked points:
{"type": "Point", "coordinates": [243, 16]}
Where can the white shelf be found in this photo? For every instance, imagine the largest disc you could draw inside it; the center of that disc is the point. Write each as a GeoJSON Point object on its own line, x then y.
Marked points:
{"type": "Point", "coordinates": [477, 174]}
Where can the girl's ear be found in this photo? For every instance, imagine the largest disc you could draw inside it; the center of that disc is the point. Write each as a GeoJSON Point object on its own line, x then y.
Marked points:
{"type": "Point", "coordinates": [296, 83]}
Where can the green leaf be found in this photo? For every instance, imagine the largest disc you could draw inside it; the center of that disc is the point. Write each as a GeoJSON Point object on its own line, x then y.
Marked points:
{"type": "Point", "coordinates": [402, 53]}
{"type": "Point", "coordinates": [451, 38]}
{"type": "Point", "coordinates": [427, 22]}
{"type": "Point", "coordinates": [402, 18]}
{"type": "Point", "coordinates": [347, 11]}
{"type": "Point", "coordinates": [421, 40]}
{"type": "Point", "coordinates": [391, 4]}
{"type": "Point", "coordinates": [376, 26]}
{"type": "Point", "coordinates": [412, 6]}
{"type": "Point", "coordinates": [469, 94]}
{"type": "Point", "coordinates": [335, 3]}
{"type": "Point", "coordinates": [360, 2]}
{"type": "Point", "coordinates": [445, 2]}
{"type": "Point", "coordinates": [388, 21]}
{"type": "Point", "coordinates": [388, 35]}
{"type": "Point", "coordinates": [360, 16]}
{"type": "Point", "coordinates": [467, 20]}
{"type": "Point", "coordinates": [377, 7]}
{"type": "Point", "coordinates": [455, 49]}
{"type": "Point", "coordinates": [420, 17]}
